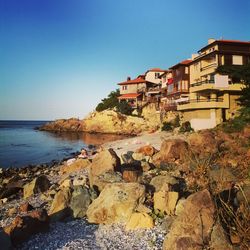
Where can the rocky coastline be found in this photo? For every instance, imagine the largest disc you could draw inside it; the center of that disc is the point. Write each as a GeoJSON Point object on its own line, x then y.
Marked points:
{"type": "Point", "coordinates": [157, 191]}
{"type": "Point", "coordinates": [107, 121]}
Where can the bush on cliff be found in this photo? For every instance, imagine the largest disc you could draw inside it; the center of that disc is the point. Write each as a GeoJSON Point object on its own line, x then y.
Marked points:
{"type": "Point", "coordinates": [124, 108]}
{"type": "Point", "coordinates": [110, 102]}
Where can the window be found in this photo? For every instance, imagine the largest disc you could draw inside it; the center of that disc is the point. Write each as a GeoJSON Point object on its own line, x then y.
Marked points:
{"type": "Point", "coordinates": [186, 70]}
{"type": "Point", "coordinates": [157, 75]}
{"type": "Point", "coordinates": [237, 60]}
{"type": "Point", "coordinates": [124, 87]}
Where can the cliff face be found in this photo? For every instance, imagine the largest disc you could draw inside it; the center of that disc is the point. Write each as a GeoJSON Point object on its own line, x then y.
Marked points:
{"type": "Point", "coordinates": [107, 121]}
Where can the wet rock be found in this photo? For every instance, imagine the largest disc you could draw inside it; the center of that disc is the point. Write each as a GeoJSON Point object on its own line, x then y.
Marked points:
{"type": "Point", "coordinates": [80, 201]}
{"type": "Point", "coordinates": [139, 220]}
{"type": "Point", "coordinates": [23, 227]}
{"type": "Point", "coordinates": [60, 206]}
{"type": "Point", "coordinates": [116, 203]}
{"type": "Point", "coordinates": [192, 228]}
{"type": "Point", "coordinates": [38, 185]}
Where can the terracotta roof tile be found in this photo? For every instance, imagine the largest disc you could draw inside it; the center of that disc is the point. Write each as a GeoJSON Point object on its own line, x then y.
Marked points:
{"type": "Point", "coordinates": [134, 81]}
{"type": "Point", "coordinates": [129, 96]}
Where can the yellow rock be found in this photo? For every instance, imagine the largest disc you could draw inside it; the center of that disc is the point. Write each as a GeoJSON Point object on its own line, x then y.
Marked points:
{"type": "Point", "coordinates": [75, 166]}
{"type": "Point", "coordinates": [139, 220]}
{"type": "Point", "coordinates": [165, 201]}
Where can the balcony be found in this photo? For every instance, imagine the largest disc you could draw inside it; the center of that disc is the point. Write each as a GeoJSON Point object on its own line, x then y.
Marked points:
{"type": "Point", "coordinates": [202, 104]}
{"type": "Point", "coordinates": [211, 85]}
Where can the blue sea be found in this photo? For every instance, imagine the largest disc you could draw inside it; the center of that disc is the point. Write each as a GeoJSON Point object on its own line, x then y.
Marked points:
{"type": "Point", "coordinates": [21, 145]}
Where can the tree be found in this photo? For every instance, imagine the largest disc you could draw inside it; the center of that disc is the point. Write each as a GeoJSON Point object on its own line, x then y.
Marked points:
{"type": "Point", "coordinates": [124, 108]}
{"type": "Point", "coordinates": [239, 73]}
{"type": "Point", "coordinates": [110, 102]}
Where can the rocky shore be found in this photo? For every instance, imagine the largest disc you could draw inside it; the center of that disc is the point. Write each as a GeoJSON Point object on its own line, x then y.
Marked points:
{"type": "Point", "coordinates": [107, 121]}
{"type": "Point", "coordinates": [156, 191]}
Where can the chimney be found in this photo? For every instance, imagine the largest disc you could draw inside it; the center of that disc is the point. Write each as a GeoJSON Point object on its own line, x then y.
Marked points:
{"type": "Point", "coordinates": [211, 40]}
{"type": "Point", "coordinates": [128, 78]}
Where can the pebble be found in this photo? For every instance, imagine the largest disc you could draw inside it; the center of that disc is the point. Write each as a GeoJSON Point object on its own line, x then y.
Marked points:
{"type": "Point", "coordinates": [79, 234]}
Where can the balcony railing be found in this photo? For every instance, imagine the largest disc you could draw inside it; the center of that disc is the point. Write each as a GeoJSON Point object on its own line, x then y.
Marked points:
{"type": "Point", "coordinates": [201, 100]}
{"type": "Point", "coordinates": [202, 82]}
{"type": "Point", "coordinates": [209, 66]}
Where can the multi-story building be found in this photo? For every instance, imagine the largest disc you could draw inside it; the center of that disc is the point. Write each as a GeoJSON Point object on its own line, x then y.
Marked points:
{"type": "Point", "coordinates": [213, 97]}
{"type": "Point", "coordinates": [175, 85]}
{"type": "Point", "coordinates": [134, 91]}
{"type": "Point", "coordinates": [145, 88]}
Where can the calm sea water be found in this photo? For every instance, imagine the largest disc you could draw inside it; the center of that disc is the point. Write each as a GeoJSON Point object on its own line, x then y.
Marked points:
{"type": "Point", "coordinates": [22, 145]}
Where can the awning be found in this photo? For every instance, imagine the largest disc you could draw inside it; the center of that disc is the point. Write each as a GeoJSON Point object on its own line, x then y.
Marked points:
{"type": "Point", "coordinates": [129, 96]}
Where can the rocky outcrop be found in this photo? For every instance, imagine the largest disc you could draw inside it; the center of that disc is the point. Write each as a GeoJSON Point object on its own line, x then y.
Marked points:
{"type": "Point", "coordinates": [116, 203]}
{"type": "Point", "coordinates": [107, 121]}
{"type": "Point", "coordinates": [192, 228]}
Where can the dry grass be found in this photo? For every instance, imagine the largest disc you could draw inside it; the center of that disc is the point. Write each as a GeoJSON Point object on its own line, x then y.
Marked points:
{"type": "Point", "coordinates": [236, 220]}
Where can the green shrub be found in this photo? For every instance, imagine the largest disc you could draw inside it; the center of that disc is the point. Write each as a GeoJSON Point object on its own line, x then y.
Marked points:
{"type": "Point", "coordinates": [167, 126]}
{"type": "Point", "coordinates": [110, 102]}
{"type": "Point", "coordinates": [185, 127]}
{"type": "Point", "coordinates": [124, 108]}
{"type": "Point", "coordinates": [237, 124]}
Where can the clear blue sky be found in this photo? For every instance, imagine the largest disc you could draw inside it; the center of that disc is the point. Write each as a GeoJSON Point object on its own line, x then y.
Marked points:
{"type": "Point", "coordinates": [59, 58]}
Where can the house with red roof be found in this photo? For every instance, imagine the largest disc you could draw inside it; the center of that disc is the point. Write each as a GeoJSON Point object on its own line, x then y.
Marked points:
{"type": "Point", "coordinates": [134, 90]}
{"type": "Point", "coordinates": [175, 85]}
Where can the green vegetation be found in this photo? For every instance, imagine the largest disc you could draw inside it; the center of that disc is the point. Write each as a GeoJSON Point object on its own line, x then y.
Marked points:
{"type": "Point", "coordinates": [239, 73]}
{"type": "Point", "coordinates": [167, 126]}
{"type": "Point", "coordinates": [237, 124]}
{"type": "Point", "coordinates": [124, 108]}
{"type": "Point", "coordinates": [112, 102]}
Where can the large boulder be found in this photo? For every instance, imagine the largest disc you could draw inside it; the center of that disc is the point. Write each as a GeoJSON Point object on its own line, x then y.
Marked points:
{"type": "Point", "coordinates": [80, 201]}
{"type": "Point", "coordinates": [116, 203]}
{"type": "Point", "coordinates": [105, 161]}
{"type": "Point", "coordinates": [77, 165]}
{"type": "Point", "coordinates": [39, 184]}
{"type": "Point", "coordinates": [172, 150]}
{"type": "Point", "coordinates": [204, 142]}
{"type": "Point", "coordinates": [60, 205]}
{"type": "Point", "coordinates": [192, 228]}
{"type": "Point", "coordinates": [139, 220]}
{"type": "Point", "coordinates": [22, 227]}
